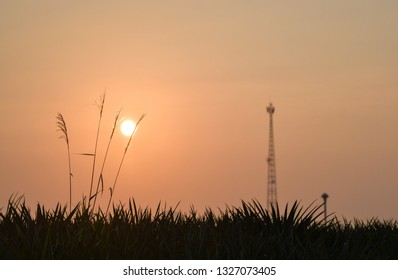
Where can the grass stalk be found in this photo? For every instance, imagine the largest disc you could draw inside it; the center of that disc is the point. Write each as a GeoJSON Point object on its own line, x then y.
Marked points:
{"type": "Point", "coordinates": [61, 124]}
{"type": "Point", "coordinates": [101, 108]}
{"type": "Point", "coordinates": [100, 177]}
{"type": "Point", "coordinates": [112, 190]}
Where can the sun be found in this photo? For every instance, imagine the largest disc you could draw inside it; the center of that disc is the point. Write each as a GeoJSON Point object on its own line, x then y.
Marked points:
{"type": "Point", "coordinates": [127, 127]}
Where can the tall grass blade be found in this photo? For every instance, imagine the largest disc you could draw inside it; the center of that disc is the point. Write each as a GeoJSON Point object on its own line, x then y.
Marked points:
{"type": "Point", "coordinates": [61, 124]}
{"type": "Point", "coordinates": [101, 108]}
{"type": "Point", "coordinates": [100, 178]}
{"type": "Point", "coordinates": [121, 162]}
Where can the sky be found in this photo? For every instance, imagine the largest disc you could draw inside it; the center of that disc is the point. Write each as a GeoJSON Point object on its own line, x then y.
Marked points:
{"type": "Point", "coordinates": [204, 73]}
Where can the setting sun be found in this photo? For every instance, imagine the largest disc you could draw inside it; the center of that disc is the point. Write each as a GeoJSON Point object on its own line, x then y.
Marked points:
{"type": "Point", "coordinates": [127, 127]}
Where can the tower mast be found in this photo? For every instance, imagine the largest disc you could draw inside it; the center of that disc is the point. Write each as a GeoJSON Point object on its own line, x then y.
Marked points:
{"type": "Point", "coordinates": [271, 191]}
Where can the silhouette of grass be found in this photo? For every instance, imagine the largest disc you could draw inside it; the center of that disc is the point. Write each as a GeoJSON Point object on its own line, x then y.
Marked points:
{"type": "Point", "coordinates": [100, 177]}
{"type": "Point", "coordinates": [100, 106]}
{"type": "Point", "coordinates": [61, 124]}
{"type": "Point", "coordinates": [112, 190]}
{"type": "Point", "coordinates": [245, 232]}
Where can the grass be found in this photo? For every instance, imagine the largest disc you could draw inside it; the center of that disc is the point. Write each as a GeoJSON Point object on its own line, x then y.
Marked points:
{"type": "Point", "coordinates": [101, 109]}
{"type": "Point", "coordinates": [61, 125]}
{"type": "Point", "coordinates": [245, 232]}
{"type": "Point", "coordinates": [112, 190]}
{"type": "Point", "coordinates": [100, 177]}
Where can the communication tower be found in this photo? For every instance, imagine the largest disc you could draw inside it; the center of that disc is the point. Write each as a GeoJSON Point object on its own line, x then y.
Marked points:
{"type": "Point", "coordinates": [271, 191]}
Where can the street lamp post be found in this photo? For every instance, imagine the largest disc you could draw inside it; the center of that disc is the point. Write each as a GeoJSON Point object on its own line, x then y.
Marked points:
{"type": "Point", "coordinates": [325, 197]}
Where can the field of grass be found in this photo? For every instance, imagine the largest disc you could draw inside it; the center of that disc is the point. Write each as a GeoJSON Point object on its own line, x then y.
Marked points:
{"type": "Point", "coordinates": [245, 232]}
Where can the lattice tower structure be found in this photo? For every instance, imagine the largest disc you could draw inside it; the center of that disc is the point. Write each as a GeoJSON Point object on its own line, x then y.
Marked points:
{"type": "Point", "coordinates": [271, 189]}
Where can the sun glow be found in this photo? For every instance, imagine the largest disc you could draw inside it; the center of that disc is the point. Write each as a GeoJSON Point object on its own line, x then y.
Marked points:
{"type": "Point", "coordinates": [127, 127]}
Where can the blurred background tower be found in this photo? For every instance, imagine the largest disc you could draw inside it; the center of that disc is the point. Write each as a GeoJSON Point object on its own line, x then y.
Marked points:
{"type": "Point", "coordinates": [271, 192]}
{"type": "Point", "coordinates": [325, 198]}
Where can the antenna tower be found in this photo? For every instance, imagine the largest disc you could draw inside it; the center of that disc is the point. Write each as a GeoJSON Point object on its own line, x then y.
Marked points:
{"type": "Point", "coordinates": [271, 192]}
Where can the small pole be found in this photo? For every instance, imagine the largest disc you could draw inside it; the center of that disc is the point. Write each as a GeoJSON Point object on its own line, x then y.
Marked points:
{"type": "Point", "coordinates": [325, 197]}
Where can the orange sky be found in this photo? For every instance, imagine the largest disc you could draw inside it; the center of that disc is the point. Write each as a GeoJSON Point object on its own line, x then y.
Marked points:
{"type": "Point", "coordinates": [204, 72]}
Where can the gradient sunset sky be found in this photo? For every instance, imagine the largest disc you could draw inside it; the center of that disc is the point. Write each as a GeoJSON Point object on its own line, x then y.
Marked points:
{"type": "Point", "coordinates": [204, 72]}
